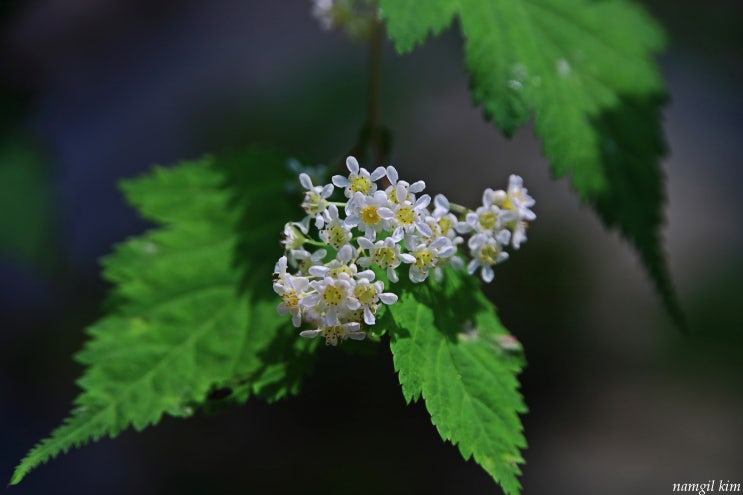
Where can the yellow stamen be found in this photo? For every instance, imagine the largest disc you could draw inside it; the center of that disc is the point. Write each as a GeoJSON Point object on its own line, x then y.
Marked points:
{"type": "Point", "coordinates": [370, 216]}
{"type": "Point", "coordinates": [365, 294]}
{"type": "Point", "coordinates": [332, 295]}
{"type": "Point", "coordinates": [290, 298]}
{"type": "Point", "coordinates": [488, 220]}
{"type": "Point", "coordinates": [405, 215]}
{"type": "Point", "coordinates": [360, 184]}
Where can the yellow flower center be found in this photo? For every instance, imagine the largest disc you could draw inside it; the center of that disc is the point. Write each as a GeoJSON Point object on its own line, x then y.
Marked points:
{"type": "Point", "coordinates": [334, 272]}
{"type": "Point", "coordinates": [336, 236]}
{"type": "Point", "coordinates": [356, 315]}
{"type": "Point", "coordinates": [313, 203]}
{"type": "Point", "coordinates": [332, 334]}
{"type": "Point", "coordinates": [405, 215]}
{"type": "Point", "coordinates": [360, 184]}
{"type": "Point", "coordinates": [445, 225]}
{"type": "Point", "coordinates": [370, 216]}
{"type": "Point", "coordinates": [393, 196]}
{"type": "Point", "coordinates": [488, 220]}
{"type": "Point", "coordinates": [365, 294]}
{"type": "Point", "coordinates": [290, 298]}
{"type": "Point", "coordinates": [384, 256]}
{"type": "Point", "coordinates": [332, 295]}
{"type": "Point", "coordinates": [488, 255]}
{"type": "Point", "coordinates": [424, 258]}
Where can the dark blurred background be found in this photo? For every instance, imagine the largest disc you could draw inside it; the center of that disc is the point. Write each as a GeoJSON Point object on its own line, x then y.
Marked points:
{"type": "Point", "coordinates": [621, 403]}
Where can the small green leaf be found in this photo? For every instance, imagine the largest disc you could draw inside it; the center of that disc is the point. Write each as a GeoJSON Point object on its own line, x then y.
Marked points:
{"type": "Point", "coordinates": [409, 23]}
{"type": "Point", "coordinates": [448, 348]}
{"type": "Point", "coordinates": [584, 71]}
{"type": "Point", "coordinates": [180, 323]}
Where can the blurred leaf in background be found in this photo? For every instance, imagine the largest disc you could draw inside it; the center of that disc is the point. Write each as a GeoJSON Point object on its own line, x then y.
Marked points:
{"type": "Point", "coordinates": [26, 206]}
{"type": "Point", "coordinates": [585, 73]}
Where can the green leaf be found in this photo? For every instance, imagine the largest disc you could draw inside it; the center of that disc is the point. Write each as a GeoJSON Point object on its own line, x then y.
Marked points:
{"type": "Point", "coordinates": [584, 70]}
{"type": "Point", "coordinates": [180, 324]}
{"type": "Point", "coordinates": [448, 348]}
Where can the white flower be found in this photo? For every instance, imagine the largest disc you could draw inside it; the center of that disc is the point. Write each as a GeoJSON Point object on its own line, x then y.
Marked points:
{"type": "Point", "coordinates": [518, 203]}
{"type": "Point", "coordinates": [441, 206]}
{"type": "Point", "coordinates": [334, 333]}
{"type": "Point", "coordinates": [487, 250]}
{"type": "Point", "coordinates": [443, 223]}
{"type": "Point", "coordinates": [292, 290]}
{"type": "Point", "coordinates": [294, 234]}
{"type": "Point", "coordinates": [359, 179]}
{"type": "Point", "coordinates": [333, 295]}
{"type": "Point", "coordinates": [369, 294]}
{"type": "Point", "coordinates": [365, 212]}
{"type": "Point", "coordinates": [409, 218]}
{"type": "Point", "coordinates": [385, 254]}
{"type": "Point", "coordinates": [279, 269]}
{"type": "Point", "coordinates": [339, 299]}
{"type": "Point", "coordinates": [336, 233]}
{"type": "Point", "coordinates": [304, 260]}
{"type": "Point", "coordinates": [346, 254]}
{"type": "Point", "coordinates": [315, 199]}
{"type": "Point", "coordinates": [333, 268]}
{"type": "Point", "coordinates": [426, 256]}
{"type": "Point", "coordinates": [519, 233]}
{"type": "Point", "coordinates": [400, 188]}
{"type": "Point", "coordinates": [518, 199]}
{"type": "Point", "coordinates": [488, 217]}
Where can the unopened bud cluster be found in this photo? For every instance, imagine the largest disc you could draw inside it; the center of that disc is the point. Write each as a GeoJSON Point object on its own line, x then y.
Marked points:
{"type": "Point", "coordinates": [333, 250]}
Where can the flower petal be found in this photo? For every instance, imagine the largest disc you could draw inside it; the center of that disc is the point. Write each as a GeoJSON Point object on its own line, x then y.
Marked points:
{"type": "Point", "coordinates": [345, 253]}
{"type": "Point", "coordinates": [388, 298]}
{"type": "Point", "coordinates": [352, 164]}
{"type": "Point", "coordinates": [422, 202]}
{"type": "Point", "coordinates": [407, 258]}
{"type": "Point", "coordinates": [392, 174]}
{"type": "Point", "coordinates": [447, 252]}
{"type": "Point", "coordinates": [385, 213]}
{"type": "Point", "coordinates": [365, 243]}
{"type": "Point", "coordinates": [472, 266]}
{"type": "Point", "coordinates": [309, 334]}
{"type": "Point", "coordinates": [356, 335]}
{"type": "Point", "coordinates": [425, 229]}
{"type": "Point", "coordinates": [378, 173]}
{"type": "Point", "coordinates": [417, 186]}
{"type": "Point", "coordinates": [341, 181]}
{"type": "Point", "coordinates": [369, 316]}
{"type": "Point", "coordinates": [305, 180]}
{"type": "Point", "coordinates": [441, 202]}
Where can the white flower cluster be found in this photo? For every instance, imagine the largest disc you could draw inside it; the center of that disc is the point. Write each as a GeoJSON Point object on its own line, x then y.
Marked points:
{"type": "Point", "coordinates": [500, 221]}
{"type": "Point", "coordinates": [333, 287]}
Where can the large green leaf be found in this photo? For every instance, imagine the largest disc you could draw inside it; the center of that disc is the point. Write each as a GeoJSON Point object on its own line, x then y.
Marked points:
{"type": "Point", "coordinates": [584, 70]}
{"type": "Point", "coordinates": [449, 347]}
{"type": "Point", "coordinates": [181, 324]}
